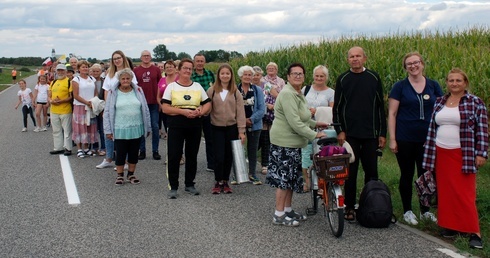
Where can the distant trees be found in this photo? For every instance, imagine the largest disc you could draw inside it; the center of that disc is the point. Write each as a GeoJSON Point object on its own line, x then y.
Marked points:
{"type": "Point", "coordinates": [24, 61]}
{"type": "Point", "coordinates": [161, 53]}
{"type": "Point", "coordinates": [220, 55]}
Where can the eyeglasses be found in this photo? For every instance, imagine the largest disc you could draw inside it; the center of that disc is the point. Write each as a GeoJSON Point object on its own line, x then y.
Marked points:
{"type": "Point", "coordinates": [116, 58]}
{"type": "Point", "coordinates": [297, 75]}
{"type": "Point", "coordinates": [186, 68]}
{"type": "Point", "coordinates": [414, 63]}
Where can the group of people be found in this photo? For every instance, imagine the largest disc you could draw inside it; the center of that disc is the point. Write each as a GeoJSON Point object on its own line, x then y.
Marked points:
{"type": "Point", "coordinates": [446, 134]}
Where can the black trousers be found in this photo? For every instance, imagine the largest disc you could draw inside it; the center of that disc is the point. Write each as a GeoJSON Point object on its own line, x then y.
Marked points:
{"type": "Point", "coordinates": [27, 111]}
{"type": "Point", "coordinates": [223, 156]}
{"type": "Point", "coordinates": [365, 151]}
{"type": "Point", "coordinates": [409, 156]}
{"type": "Point", "coordinates": [175, 144]}
{"type": "Point", "coordinates": [127, 148]}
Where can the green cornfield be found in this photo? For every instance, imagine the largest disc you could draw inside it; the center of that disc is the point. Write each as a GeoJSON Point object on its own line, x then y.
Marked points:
{"type": "Point", "coordinates": [467, 49]}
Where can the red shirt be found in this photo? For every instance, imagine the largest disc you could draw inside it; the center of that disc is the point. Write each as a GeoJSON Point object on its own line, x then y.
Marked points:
{"type": "Point", "coordinates": [148, 79]}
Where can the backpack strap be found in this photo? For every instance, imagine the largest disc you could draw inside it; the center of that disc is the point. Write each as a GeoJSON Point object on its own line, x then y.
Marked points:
{"type": "Point", "coordinates": [307, 89]}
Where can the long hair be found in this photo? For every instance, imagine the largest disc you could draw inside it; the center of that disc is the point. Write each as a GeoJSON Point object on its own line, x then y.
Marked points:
{"type": "Point", "coordinates": [111, 72]}
{"type": "Point", "coordinates": [232, 88]}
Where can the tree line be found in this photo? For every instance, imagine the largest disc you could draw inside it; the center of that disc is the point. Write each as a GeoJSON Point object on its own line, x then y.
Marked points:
{"type": "Point", "coordinates": [160, 53]}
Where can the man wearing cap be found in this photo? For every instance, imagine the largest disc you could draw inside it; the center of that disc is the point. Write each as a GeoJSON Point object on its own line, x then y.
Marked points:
{"type": "Point", "coordinates": [148, 77]}
{"type": "Point", "coordinates": [60, 96]}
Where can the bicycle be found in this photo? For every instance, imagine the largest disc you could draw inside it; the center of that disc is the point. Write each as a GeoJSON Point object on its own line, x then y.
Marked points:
{"type": "Point", "coordinates": [327, 178]}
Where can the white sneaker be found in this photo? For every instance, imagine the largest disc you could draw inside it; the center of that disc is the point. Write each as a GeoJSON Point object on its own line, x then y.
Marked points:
{"type": "Point", "coordinates": [37, 130]}
{"type": "Point", "coordinates": [44, 129]}
{"type": "Point", "coordinates": [428, 216]}
{"type": "Point", "coordinates": [105, 164]}
{"type": "Point", "coordinates": [24, 129]}
{"type": "Point", "coordinates": [126, 167]}
{"type": "Point", "coordinates": [410, 218]}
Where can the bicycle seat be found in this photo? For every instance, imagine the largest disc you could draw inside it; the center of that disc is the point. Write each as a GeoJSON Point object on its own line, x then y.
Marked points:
{"type": "Point", "coordinates": [327, 141]}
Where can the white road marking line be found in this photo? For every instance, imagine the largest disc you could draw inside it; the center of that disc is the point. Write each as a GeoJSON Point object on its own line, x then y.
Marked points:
{"type": "Point", "coordinates": [450, 253]}
{"type": "Point", "coordinates": [71, 188]}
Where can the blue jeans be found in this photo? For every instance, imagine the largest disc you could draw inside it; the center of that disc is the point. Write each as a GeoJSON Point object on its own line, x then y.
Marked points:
{"type": "Point", "coordinates": [109, 149]}
{"type": "Point", "coordinates": [155, 136]}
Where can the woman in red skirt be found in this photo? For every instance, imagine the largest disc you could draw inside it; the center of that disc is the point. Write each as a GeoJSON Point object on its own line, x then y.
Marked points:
{"type": "Point", "coordinates": [456, 147]}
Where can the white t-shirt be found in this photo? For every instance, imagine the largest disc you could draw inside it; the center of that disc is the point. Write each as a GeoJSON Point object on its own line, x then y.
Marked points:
{"type": "Point", "coordinates": [185, 97]}
{"type": "Point", "coordinates": [447, 135]}
{"type": "Point", "coordinates": [110, 83]}
{"type": "Point", "coordinates": [25, 97]}
{"type": "Point", "coordinates": [86, 89]}
{"type": "Point", "coordinates": [42, 93]}
{"type": "Point", "coordinates": [317, 99]}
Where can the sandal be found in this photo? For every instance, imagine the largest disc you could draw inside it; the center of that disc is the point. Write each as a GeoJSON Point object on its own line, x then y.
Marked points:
{"type": "Point", "coordinates": [80, 154]}
{"type": "Point", "coordinates": [119, 180]}
{"type": "Point", "coordinates": [133, 180]}
{"type": "Point", "coordinates": [350, 215]}
{"type": "Point", "coordinates": [102, 153]}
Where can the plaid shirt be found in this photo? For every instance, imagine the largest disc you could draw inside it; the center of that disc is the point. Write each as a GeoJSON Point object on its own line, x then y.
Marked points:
{"type": "Point", "coordinates": [473, 132]}
{"type": "Point", "coordinates": [206, 79]}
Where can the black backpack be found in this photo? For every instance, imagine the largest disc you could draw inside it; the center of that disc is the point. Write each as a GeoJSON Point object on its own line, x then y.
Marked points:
{"type": "Point", "coordinates": [375, 208]}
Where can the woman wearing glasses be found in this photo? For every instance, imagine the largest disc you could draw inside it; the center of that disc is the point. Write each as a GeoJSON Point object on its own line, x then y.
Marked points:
{"type": "Point", "coordinates": [411, 102]}
{"type": "Point", "coordinates": [118, 62]}
{"type": "Point", "coordinates": [291, 130]}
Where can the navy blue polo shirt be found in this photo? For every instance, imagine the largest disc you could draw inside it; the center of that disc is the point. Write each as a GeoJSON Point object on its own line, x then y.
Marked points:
{"type": "Point", "coordinates": [415, 109]}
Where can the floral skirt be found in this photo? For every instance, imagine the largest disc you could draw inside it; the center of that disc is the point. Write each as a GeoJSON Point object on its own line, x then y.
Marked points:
{"type": "Point", "coordinates": [81, 132]}
{"type": "Point", "coordinates": [284, 170]}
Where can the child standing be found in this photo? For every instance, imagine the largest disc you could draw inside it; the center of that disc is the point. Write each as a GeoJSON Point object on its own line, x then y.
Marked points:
{"type": "Point", "coordinates": [41, 100]}
{"type": "Point", "coordinates": [27, 100]}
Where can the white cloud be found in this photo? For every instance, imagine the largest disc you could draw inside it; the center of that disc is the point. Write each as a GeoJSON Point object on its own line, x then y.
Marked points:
{"type": "Point", "coordinates": [93, 28]}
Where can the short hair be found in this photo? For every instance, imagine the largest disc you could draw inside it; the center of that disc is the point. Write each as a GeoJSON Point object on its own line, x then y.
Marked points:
{"type": "Point", "coordinates": [82, 62]}
{"type": "Point", "coordinates": [410, 55]}
{"type": "Point", "coordinates": [123, 72]}
{"type": "Point", "coordinates": [170, 62]}
{"type": "Point", "coordinates": [272, 64]}
{"type": "Point", "coordinates": [243, 69]}
{"type": "Point", "coordinates": [185, 60]}
{"type": "Point", "coordinates": [459, 71]}
{"type": "Point", "coordinates": [96, 66]}
{"type": "Point", "coordinates": [200, 54]}
{"type": "Point", "coordinates": [291, 66]}
{"type": "Point", "coordinates": [257, 69]}
{"type": "Point", "coordinates": [323, 68]}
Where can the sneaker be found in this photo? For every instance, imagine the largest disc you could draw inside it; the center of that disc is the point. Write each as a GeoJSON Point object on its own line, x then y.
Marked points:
{"type": "Point", "coordinates": [105, 164]}
{"type": "Point", "coordinates": [209, 169]}
{"type": "Point", "coordinates": [410, 218]}
{"type": "Point", "coordinates": [67, 152]}
{"type": "Point", "coordinates": [216, 189]}
{"type": "Point", "coordinates": [156, 155]}
{"type": "Point", "coordinates": [233, 182]}
{"type": "Point", "coordinates": [255, 180]}
{"type": "Point", "coordinates": [476, 242]}
{"type": "Point", "coordinates": [449, 233]}
{"type": "Point", "coordinates": [37, 130]}
{"type": "Point", "coordinates": [44, 129]}
{"type": "Point", "coordinates": [172, 194]}
{"type": "Point", "coordinates": [191, 190]}
{"type": "Point", "coordinates": [125, 167]}
{"type": "Point", "coordinates": [142, 155]}
{"type": "Point", "coordinates": [54, 152]}
{"type": "Point", "coordinates": [24, 129]}
{"type": "Point", "coordinates": [296, 216]}
{"type": "Point", "coordinates": [428, 216]}
{"type": "Point", "coordinates": [226, 188]}
{"type": "Point", "coordinates": [284, 220]}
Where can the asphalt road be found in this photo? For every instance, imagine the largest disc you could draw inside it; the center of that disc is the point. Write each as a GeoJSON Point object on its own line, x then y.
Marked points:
{"type": "Point", "coordinates": [139, 221]}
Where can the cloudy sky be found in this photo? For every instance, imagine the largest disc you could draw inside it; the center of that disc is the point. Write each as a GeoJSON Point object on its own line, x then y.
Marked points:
{"type": "Point", "coordinates": [95, 28]}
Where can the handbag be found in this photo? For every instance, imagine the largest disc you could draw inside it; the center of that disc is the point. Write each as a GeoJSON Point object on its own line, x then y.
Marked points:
{"type": "Point", "coordinates": [426, 189]}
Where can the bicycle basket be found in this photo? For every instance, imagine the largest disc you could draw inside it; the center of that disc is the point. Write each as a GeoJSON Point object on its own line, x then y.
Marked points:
{"type": "Point", "coordinates": [332, 167]}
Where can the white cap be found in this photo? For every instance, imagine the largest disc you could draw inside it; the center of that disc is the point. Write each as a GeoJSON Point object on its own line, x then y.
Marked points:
{"type": "Point", "coordinates": [61, 67]}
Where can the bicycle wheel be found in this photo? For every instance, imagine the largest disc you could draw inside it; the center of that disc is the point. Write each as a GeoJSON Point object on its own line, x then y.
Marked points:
{"type": "Point", "coordinates": [334, 214]}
